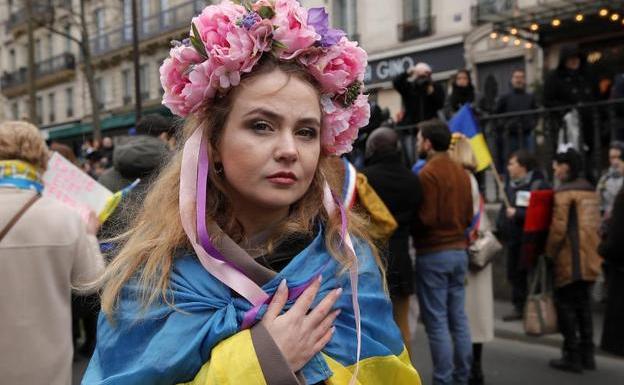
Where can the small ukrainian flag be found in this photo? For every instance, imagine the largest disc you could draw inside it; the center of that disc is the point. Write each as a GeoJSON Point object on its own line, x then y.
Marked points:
{"type": "Point", "coordinates": [464, 122]}
{"type": "Point", "coordinates": [113, 201]}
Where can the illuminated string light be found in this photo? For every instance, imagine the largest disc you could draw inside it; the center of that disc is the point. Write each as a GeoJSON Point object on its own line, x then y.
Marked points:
{"type": "Point", "coordinates": [579, 17]}
{"type": "Point", "coordinates": [603, 12]}
{"type": "Point", "coordinates": [615, 17]}
{"type": "Point", "coordinates": [513, 31]}
{"type": "Point", "coordinates": [555, 22]}
{"type": "Point", "coordinates": [534, 27]}
{"type": "Point", "coordinates": [493, 35]}
{"type": "Point", "coordinates": [517, 42]}
{"type": "Point", "coordinates": [528, 45]}
{"type": "Point", "coordinates": [505, 39]}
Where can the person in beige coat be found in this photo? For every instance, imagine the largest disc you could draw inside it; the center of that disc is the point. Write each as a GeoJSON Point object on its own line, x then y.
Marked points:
{"type": "Point", "coordinates": [573, 244]}
{"type": "Point", "coordinates": [44, 253]}
{"type": "Point", "coordinates": [479, 291]}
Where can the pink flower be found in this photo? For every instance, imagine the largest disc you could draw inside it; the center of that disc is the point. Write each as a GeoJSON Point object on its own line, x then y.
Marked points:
{"type": "Point", "coordinates": [199, 88]}
{"type": "Point", "coordinates": [293, 30]}
{"type": "Point", "coordinates": [174, 77]}
{"type": "Point", "coordinates": [338, 67]}
{"type": "Point", "coordinates": [262, 35]}
{"type": "Point", "coordinates": [341, 125]}
{"type": "Point", "coordinates": [215, 21]}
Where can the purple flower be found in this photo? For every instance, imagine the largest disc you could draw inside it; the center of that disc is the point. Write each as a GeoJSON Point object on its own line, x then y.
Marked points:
{"type": "Point", "coordinates": [319, 19]}
{"type": "Point", "coordinates": [250, 19]}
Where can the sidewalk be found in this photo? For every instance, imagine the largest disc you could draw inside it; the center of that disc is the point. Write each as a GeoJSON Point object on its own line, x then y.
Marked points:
{"type": "Point", "coordinates": [515, 331]}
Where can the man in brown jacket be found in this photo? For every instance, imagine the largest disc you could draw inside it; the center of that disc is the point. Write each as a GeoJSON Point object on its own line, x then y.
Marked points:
{"type": "Point", "coordinates": [439, 233]}
{"type": "Point", "coordinates": [573, 243]}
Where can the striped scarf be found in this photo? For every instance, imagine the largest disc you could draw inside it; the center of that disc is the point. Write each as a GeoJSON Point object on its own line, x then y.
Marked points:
{"type": "Point", "coordinates": [20, 174]}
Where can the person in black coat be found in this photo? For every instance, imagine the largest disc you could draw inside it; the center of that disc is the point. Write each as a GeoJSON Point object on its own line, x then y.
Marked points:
{"type": "Point", "coordinates": [400, 191]}
{"type": "Point", "coordinates": [421, 97]}
{"type": "Point", "coordinates": [523, 178]}
{"type": "Point", "coordinates": [462, 92]}
{"type": "Point", "coordinates": [612, 249]}
{"type": "Point", "coordinates": [517, 129]}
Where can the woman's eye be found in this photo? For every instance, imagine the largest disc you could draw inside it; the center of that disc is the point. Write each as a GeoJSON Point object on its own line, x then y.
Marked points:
{"type": "Point", "coordinates": [261, 126]}
{"type": "Point", "coordinates": [309, 133]}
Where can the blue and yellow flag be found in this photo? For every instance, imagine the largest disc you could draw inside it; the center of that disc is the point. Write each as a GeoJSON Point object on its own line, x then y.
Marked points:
{"type": "Point", "coordinates": [464, 122]}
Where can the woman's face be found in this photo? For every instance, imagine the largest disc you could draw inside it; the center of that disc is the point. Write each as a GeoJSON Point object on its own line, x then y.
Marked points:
{"type": "Point", "coordinates": [461, 80]}
{"type": "Point", "coordinates": [270, 145]}
{"type": "Point", "coordinates": [560, 171]}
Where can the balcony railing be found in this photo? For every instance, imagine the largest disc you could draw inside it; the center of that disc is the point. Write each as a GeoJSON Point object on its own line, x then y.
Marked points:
{"type": "Point", "coordinates": [417, 28]}
{"type": "Point", "coordinates": [53, 65]}
{"type": "Point", "coordinates": [485, 10]}
{"type": "Point", "coordinates": [168, 20]}
{"type": "Point", "coordinates": [41, 13]}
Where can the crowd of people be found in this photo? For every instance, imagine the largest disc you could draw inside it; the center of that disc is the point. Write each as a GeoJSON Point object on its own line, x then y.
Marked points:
{"type": "Point", "coordinates": [255, 251]}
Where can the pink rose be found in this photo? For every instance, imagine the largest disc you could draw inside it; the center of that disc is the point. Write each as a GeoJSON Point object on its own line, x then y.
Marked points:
{"type": "Point", "coordinates": [262, 35]}
{"type": "Point", "coordinates": [174, 77]}
{"type": "Point", "coordinates": [341, 125]}
{"type": "Point", "coordinates": [215, 21]}
{"type": "Point", "coordinates": [199, 89]}
{"type": "Point", "coordinates": [293, 30]}
{"type": "Point", "coordinates": [338, 67]}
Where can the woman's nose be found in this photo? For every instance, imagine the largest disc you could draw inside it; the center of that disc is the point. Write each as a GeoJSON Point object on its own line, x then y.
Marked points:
{"type": "Point", "coordinates": [286, 147]}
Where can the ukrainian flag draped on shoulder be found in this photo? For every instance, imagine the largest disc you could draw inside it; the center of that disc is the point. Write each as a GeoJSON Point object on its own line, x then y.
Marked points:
{"type": "Point", "coordinates": [464, 122]}
{"type": "Point", "coordinates": [201, 341]}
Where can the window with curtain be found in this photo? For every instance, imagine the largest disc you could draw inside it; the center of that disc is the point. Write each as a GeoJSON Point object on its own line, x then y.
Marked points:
{"type": "Point", "coordinates": [39, 109]}
{"type": "Point", "coordinates": [127, 19]}
{"type": "Point", "coordinates": [99, 29]}
{"type": "Point", "coordinates": [417, 20]}
{"type": "Point", "coordinates": [50, 46]}
{"type": "Point", "coordinates": [51, 107]}
{"type": "Point", "coordinates": [145, 13]}
{"type": "Point", "coordinates": [68, 42]}
{"type": "Point", "coordinates": [414, 10]}
{"type": "Point", "coordinates": [344, 16]}
{"type": "Point", "coordinates": [144, 79]}
{"type": "Point", "coordinates": [100, 92]}
{"type": "Point", "coordinates": [37, 50]}
{"type": "Point", "coordinates": [69, 102]}
{"type": "Point", "coordinates": [165, 15]}
{"type": "Point", "coordinates": [126, 78]}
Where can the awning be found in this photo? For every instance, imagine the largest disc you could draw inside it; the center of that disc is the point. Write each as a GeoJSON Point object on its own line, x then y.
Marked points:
{"type": "Point", "coordinates": [108, 123]}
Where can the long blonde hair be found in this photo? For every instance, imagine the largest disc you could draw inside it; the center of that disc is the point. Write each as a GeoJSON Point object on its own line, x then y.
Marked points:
{"type": "Point", "coordinates": [149, 247]}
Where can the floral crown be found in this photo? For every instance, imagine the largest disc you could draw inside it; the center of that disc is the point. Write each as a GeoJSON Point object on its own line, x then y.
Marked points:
{"type": "Point", "coordinates": [229, 39]}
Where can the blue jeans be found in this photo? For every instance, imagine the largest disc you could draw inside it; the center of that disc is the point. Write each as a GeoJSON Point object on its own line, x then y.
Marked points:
{"type": "Point", "coordinates": [440, 279]}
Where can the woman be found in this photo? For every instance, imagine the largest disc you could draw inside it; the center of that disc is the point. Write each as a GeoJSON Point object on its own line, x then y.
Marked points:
{"type": "Point", "coordinates": [479, 292]}
{"type": "Point", "coordinates": [462, 92]}
{"type": "Point", "coordinates": [241, 267]}
{"type": "Point", "coordinates": [572, 243]}
{"type": "Point", "coordinates": [45, 251]}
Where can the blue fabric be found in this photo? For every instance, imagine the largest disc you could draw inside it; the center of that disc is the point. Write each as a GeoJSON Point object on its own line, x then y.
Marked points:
{"type": "Point", "coordinates": [440, 278]}
{"type": "Point", "coordinates": [165, 346]}
{"type": "Point", "coordinates": [21, 183]}
{"type": "Point", "coordinates": [420, 163]}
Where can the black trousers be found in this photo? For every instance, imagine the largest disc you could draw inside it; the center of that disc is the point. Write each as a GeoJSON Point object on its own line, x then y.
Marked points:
{"type": "Point", "coordinates": [575, 316]}
{"type": "Point", "coordinates": [517, 277]}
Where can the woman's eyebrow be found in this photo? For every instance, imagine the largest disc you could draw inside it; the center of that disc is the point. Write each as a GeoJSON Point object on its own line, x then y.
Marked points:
{"type": "Point", "coordinates": [276, 117]}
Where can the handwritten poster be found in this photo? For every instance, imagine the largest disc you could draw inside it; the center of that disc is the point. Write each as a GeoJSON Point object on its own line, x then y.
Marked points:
{"type": "Point", "coordinates": [70, 185]}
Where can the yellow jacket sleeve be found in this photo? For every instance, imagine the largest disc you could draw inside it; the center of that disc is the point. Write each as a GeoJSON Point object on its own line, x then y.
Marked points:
{"type": "Point", "coordinates": [233, 362]}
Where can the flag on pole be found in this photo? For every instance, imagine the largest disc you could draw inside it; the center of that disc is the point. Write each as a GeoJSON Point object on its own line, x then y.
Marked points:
{"type": "Point", "coordinates": [464, 122]}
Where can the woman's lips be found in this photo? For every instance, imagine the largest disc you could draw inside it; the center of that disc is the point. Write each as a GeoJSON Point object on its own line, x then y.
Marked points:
{"type": "Point", "coordinates": [283, 178]}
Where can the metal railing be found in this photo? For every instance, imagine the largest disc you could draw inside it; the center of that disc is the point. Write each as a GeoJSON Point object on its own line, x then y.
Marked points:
{"type": "Point", "coordinates": [417, 28]}
{"type": "Point", "coordinates": [541, 131]}
{"type": "Point", "coordinates": [41, 13]}
{"type": "Point", "coordinates": [167, 20]}
{"type": "Point", "coordinates": [55, 64]}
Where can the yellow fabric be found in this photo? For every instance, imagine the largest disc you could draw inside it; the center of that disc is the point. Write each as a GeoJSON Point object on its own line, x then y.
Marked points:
{"type": "Point", "coordinates": [233, 362]}
{"type": "Point", "coordinates": [109, 207]}
{"type": "Point", "coordinates": [481, 151]}
{"type": "Point", "coordinates": [388, 370]}
{"type": "Point", "coordinates": [12, 167]}
{"type": "Point", "coordinates": [382, 223]}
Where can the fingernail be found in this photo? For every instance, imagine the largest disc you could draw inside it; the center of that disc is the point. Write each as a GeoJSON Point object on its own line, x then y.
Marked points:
{"type": "Point", "coordinates": [282, 285]}
{"type": "Point", "coordinates": [338, 312]}
{"type": "Point", "coordinates": [333, 329]}
{"type": "Point", "coordinates": [338, 291]}
{"type": "Point", "coordinates": [320, 278]}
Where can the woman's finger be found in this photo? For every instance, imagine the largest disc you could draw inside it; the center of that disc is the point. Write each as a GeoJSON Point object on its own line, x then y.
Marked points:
{"type": "Point", "coordinates": [303, 303]}
{"type": "Point", "coordinates": [324, 340]}
{"type": "Point", "coordinates": [325, 325]}
{"type": "Point", "coordinates": [321, 310]}
{"type": "Point", "coordinates": [277, 303]}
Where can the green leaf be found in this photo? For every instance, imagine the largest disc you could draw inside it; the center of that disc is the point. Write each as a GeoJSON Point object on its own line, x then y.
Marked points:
{"type": "Point", "coordinates": [266, 12]}
{"type": "Point", "coordinates": [247, 5]}
{"type": "Point", "coordinates": [279, 44]}
{"type": "Point", "coordinates": [197, 43]}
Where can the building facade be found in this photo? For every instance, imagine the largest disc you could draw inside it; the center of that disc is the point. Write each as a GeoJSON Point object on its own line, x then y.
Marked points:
{"type": "Point", "coordinates": [491, 38]}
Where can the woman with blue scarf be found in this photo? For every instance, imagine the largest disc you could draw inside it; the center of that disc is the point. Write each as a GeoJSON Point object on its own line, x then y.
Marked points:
{"type": "Point", "coordinates": [244, 266]}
